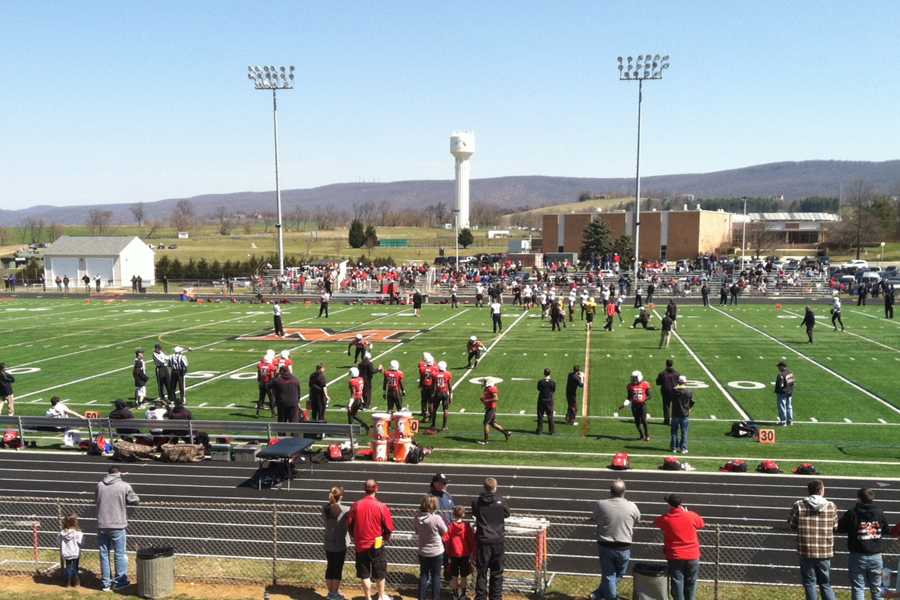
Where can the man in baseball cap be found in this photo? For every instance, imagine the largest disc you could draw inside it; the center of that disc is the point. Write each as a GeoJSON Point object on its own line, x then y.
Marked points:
{"type": "Point", "coordinates": [681, 545]}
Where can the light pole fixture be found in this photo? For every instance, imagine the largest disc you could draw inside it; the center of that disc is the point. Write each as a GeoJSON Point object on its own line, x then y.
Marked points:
{"type": "Point", "coordinates": [644, 67]}
{"type": "Point", "coordinates": [274, 78]}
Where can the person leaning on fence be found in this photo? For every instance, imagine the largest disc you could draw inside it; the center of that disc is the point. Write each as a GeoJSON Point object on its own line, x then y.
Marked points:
{"type": "Point", "coordinates": [430, 529]}
{"type": "Point", "coordinates": [490, 513]}
{"type": "Point", "coordinates": [615, 518]}
{"type": "Point", "coordinates": [371, 524]}
{"type": "Point", "coordinates": [865, 527]}
{"type": "Point", "coordinates": [814, 518]}
{"type": "Point", "coordinates": [681, 546]}
{"type": "Point", "coordinates": [112, 497]}
{"type": "Point", "coordinates": [335, 514]}
{"type": "Point", "coordinates": [459, 544]}
{"type": "Point", "coordinates": [70, 539]}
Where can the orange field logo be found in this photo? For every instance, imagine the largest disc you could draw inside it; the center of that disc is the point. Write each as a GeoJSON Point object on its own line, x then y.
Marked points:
{"type": "Point", "coordinates": [318, 334]}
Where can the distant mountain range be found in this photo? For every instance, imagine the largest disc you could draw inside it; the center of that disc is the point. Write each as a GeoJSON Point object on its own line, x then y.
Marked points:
{"type": "Point", "coordinates": [793, 180]}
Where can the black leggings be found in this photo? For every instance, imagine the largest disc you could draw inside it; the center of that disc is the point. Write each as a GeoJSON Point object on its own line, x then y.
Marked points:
{"type": "Point", "coordinates": [334, 571]}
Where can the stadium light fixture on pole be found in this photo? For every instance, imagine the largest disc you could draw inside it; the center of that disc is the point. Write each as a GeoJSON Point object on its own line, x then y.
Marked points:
{"type": "Point", "coordinates": [274, 78]}
{"type": "Point", "coordinates": [744, 234]}
{"type": "Point", "coordinates": [644, 67]}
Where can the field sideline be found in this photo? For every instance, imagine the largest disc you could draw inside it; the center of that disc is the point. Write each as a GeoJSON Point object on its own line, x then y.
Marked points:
{"type": "Point", "coordinates": [846, 405]}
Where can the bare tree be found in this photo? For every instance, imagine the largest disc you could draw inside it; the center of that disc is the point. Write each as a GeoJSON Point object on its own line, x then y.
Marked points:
{"type": "Point", "coordinates": [154, 228]}
{"type": "Point", "coordinates": [98, 221]}
{"type": "Point", "coordinates": [225, 224]}
{"type": "Point", "coordinates": [364, 210]}
{"type": "Point", "coordinates": [858, 200]}
{"type": "Point", "coordinates": [137, 210]}
{"type": "Point", "coordinates": [183, 215]}
{"type": "Point", "coordinates": [56, 231]}
{"type": "Point", "coordinates": [32, 230]}
{"type": "Point", "coordinates": [268, 218]}
{"type": "Point", "coordinates": [297, 218]}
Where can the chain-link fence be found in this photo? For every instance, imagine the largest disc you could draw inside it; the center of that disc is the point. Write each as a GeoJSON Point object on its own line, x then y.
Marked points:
{"type": "Point", "coordinates": [282, 543]}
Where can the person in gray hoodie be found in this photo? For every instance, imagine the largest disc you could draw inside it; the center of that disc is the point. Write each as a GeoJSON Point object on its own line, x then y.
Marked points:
{"type": "Point", "coordinates": [865, 527]}
{"type": "Point", "coordinates": [430, 529]}
{"type": "Point", "coordinates": [616, 519]}
{"type": "Point", "coordinates": [112, 497]}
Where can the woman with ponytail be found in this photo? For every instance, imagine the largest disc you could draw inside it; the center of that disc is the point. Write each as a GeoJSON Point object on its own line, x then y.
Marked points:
{"type": "Point", "coordinates": [336, 539]}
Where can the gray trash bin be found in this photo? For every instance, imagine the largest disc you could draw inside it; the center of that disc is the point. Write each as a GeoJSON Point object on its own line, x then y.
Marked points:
{"type": "Point", "coordinates": [155, 572]}
{"type": "Point", "coordinates": [650, 582]}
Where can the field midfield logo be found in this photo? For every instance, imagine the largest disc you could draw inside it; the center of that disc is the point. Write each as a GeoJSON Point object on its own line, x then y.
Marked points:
{"type": "Point", "coordinates": [318, 334]}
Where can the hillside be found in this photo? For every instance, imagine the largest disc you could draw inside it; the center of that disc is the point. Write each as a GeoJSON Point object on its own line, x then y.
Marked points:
{"type": "Point", "coordinates": [793, 180]}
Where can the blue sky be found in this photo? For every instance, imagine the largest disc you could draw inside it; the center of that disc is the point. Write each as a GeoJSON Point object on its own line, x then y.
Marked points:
{"type": "Point", "coordinates": [129, 101]}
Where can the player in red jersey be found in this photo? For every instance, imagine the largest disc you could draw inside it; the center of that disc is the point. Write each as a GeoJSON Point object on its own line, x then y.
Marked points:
{"type": "Point", "coordinates": [475, 349]}
{"type": "Point", "coordinates": [638, 392]}
{"type": "Point", "coordinates": [356, 398]}
{"type": "Point", "coordinates": [426, 382]}
{"type": "Point", "coordinates": [392, 387]}
{"type": "Point", "coordinates": [265, 372]}
{"type": "Point", "coordinates": [442, 395]}
{"type": "Point", "coordinates": [284, 360]}
{"type": "Point", "coordinates": [489, 397]}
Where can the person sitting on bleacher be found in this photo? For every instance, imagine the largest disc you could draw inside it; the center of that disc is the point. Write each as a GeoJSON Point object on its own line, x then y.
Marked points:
{"type": "Point", "coordinates": [121, 412]}
{"type": "Point", "coordinates": [58, 410]}
{"type": "Point", "coordinates": [179, 412]}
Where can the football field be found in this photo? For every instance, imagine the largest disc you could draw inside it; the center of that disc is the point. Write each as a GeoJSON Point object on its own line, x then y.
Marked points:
{"type": "Point", "coordinates": [846, 404]}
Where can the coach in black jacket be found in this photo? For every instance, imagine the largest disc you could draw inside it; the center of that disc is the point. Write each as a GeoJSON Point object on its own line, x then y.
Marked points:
{"type": "Point", "coordinates": [490, 514]}
{"type": "Point", "coordinates": [286, 391]}
{"type": "Point", "coordinates": [318, 394]}
{"type": "Point", "coordinates": [666, 382]}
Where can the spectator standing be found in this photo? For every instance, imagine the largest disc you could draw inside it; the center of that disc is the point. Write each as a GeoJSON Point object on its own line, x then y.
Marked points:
{"type": "Point", "coordinates": [814, 518]}
{"type": "Point", "coordinates": [574, 381]}
{"type": "Point", "coordinates": [459, 542]}
{"type": "Point", "coordinates": [430, 528]}
{"type": "Point", "coordinates": [865, 527]}
{"type": "Point", "coordinates": [112, 497]}
{"type": "Point", "coordinates": [682, 403]}
{"type": "Point", "coordinates": [546, 388]}
{"type": "Point", "coordinates": [286, 390]}
{"type": "Point", "coordinates": [681, 546]}
{"type": "Point", "coordinates": [490, 513]}
{"type": "Point", "coordinates": [784, 393]}
{"type": "Point", "coordinates": [666, 382]}
{"type": "Point", "coordinates": [7, 396]}
{"type": "Point", "coordinates": [318, 394]}
{"type": "Point", "coordinates": [615, 518]}
{"type": "Point", "coordinates": [70, 539]}
{"type": "Point", "coordinates": [371, 524]}
{"type": "Point", "coordinates": [335, 515]}
{"type": "Point", "coordinates": [444, 500]}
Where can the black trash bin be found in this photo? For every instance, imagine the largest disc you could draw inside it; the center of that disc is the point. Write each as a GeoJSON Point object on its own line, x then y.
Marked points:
{"type": "Point", "coordinates": [650, 581]}
{"type": "Point", "coordinates": [155, 572]}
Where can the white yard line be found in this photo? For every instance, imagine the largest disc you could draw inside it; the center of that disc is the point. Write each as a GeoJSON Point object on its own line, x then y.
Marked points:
{"type": "Point", "coordinates": [846, 332]}
{"type": "Point", "coordinates": [840, 377]}
{"type": "Point", "coordinates": [865, 314]}
{"type": "Point", "coordinates": [709, 374]}
{"type": "Point", "coordinates": [488, 350]}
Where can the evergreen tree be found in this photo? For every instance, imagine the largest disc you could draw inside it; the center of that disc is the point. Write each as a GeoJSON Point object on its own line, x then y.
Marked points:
{"type": "Point", "coordinates": [357, 235]}
{"type": "Point", "coordinates": [466, 238]}
{"type": "Point", "coordinates": [595, 243]}
{"type": "Point", "coordinates": [371, 237]}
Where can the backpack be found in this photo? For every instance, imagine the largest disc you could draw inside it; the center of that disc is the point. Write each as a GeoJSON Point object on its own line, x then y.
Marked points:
{"type": "Point", "coordinates": [334, 452]}
{"type": "Point", "coordinates": [805, 469]}
{"type": "Point", "coordinates": [11, 439]}
{"type": "Point", "coordinates": [768, 466]}
{"type": "Point", "coordinates": [742, 429]}
{"type": "Point", "coordinates": [670, 463]}
{"type": "Point", "coordinates": [417, 454]}
{"type": "Point", "coordinates": [620, 462]}
{"type": "Point", "coordinates": [734, 466]}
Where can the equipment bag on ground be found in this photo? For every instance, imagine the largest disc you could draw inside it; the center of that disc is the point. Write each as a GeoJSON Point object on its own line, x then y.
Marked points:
{"type": "Point", "coordinates": [182, 453]}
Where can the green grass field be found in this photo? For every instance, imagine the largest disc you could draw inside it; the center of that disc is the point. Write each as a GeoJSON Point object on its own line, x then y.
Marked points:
{"type": "Point", "coordinates": [846, 402]}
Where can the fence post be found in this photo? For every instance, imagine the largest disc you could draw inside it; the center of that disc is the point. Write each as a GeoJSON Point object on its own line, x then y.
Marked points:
{"type": "Point", "coordinates": [716, 580]}
{"type": "Point", "coordinates": [274, 544]}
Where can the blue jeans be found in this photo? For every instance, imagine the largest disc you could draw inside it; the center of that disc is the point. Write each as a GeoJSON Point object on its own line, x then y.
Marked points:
{"type": "Point", "coordinates": [865, 571]}
{"type": "Point", "coordinates": [70, 568]}
{"type": "Point", "coordinates": [679, 428]}
{"type": "Point", "coordinates": [113, 539]}
{"type": "Point", "coordinates": [816, 572]}
{"type": "Point", "coordinates": [430, 577]}
{"type": "Point", "coordinates": [613, 565]}
{"type": "Point", "coordinates": [785, 408]}
{"type": "Point", "coordinates": [684, 574]}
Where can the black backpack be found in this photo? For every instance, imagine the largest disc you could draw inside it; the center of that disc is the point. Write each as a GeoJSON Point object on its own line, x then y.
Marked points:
{"type": "Point", "coordinates": [742, 429]}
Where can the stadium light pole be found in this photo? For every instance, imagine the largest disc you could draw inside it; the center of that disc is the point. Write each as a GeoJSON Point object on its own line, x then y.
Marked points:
{"type": "Point", "coordinates": [274, 78]}
{"type": "Point", "coordinates": [644, 67]}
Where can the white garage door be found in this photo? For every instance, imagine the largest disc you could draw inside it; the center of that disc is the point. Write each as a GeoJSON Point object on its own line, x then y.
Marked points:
{"type": "Point", "coordinates": [64, 265]}
{"type": "Point", "coordinates": [100, 266]}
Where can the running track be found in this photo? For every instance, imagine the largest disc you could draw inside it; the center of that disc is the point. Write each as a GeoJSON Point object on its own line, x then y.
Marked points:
{"type": "Point", "coordinates": [561, 495]}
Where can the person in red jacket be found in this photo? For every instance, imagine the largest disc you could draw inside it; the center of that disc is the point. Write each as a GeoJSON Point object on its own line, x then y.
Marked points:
{"type": "Point", "coordinates": [489, 398]}
{"type": "Point", "coordinates": [356, 385]}
{"type": "Point", "coordinates": [637, 394]}
{"type": "Point", "coordinates": [371, 524]}
{"type": "Point", "coordinates": [459, 543]}
{"type": "Point", "coordinates": [681, 546]}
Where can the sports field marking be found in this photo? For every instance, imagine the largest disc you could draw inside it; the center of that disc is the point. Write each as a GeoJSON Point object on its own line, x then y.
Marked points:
{"type": "Point", "coordinates": [488, 350]}
{"type": "Point", "coordinates": [883, 320]}
{"type": "Point", "coordinates": [855, 386]}
{"type": "Point", "coordinates": [709, 374]}
{"type": "Point", "coordinates": [862, 337]}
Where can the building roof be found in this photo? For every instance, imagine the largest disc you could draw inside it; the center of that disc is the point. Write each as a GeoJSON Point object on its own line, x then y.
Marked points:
{"type": "Point", "coordinates": [100, 245]}
{"type": "Point", "coordinates": [793, 216]}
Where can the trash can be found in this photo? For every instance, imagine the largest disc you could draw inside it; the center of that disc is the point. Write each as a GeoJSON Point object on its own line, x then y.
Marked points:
{"type": "Point", "coordinates": [650, 582]}
{"type": "Point", "coordinates": [155, 572]}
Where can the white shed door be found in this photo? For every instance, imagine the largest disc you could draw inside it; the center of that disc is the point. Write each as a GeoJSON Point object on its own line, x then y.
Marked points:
{"type": "Point", "coordinates": [100, 266]}
{"type": "Point", "coordinates": [65, 265]}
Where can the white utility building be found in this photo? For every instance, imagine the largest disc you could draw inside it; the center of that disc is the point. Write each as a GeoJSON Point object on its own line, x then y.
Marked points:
{"type": "Point", "coordinates": [462, 147]}
{"type": "Point", "coordinates": [116, 259]}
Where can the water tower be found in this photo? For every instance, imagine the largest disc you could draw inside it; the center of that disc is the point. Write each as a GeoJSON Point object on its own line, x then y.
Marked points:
{"type": "Point", "coordinates": [462, 147]}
